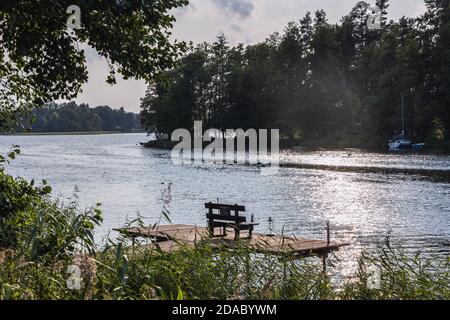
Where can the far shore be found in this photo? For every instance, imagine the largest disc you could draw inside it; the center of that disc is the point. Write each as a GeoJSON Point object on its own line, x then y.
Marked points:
{"type": "Point", "coordinates": [298, 145]}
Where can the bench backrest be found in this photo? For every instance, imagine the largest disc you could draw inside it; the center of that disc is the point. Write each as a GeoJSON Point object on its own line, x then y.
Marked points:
{"type": "Point", "coordinates": [225, 212]}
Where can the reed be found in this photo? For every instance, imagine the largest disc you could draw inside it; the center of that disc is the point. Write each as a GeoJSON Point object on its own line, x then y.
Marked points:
{"type": "Point", "coordinates": [120, 272]}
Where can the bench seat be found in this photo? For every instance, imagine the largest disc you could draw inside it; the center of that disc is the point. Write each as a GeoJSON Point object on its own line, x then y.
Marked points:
{"type": "Point", "coordinates": [228, 217]}
{"type": "Point", "coordinates": [232, 223]}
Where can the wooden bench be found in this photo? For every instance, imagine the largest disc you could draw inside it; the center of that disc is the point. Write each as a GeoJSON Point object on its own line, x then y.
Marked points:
{"type": "Point", "coordinates": [227, 216]}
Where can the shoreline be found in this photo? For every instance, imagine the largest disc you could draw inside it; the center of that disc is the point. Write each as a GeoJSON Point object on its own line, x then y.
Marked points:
{"type": "Point", "coordinates": [168, 145]}
{"type": "Point", "coordinates": [76, 133]}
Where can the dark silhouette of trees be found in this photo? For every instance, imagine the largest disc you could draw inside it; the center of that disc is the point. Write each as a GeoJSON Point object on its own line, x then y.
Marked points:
{"type": "Point", "coordinates": [339, 83]}
{"type": "Point", "coordinates": [70, 117]}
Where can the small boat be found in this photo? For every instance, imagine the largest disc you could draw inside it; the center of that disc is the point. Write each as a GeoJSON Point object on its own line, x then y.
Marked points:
{"type": "Point", "coordinates": [401, 142]}
{"type": "Point", "coordinates": [418, 146]}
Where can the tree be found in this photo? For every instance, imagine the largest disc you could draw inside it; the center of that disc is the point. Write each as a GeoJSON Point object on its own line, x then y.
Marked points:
{"type": "Point", "coordinates": [292, 71]}
{"type": "Point", "coordinates": [435, 36]}
{"type": "Point", "coordinates": [40, 60]}
{"type": "Point", "coordinates": [393, 73]}
{"type": "Point", "coordinates": [70, 117]}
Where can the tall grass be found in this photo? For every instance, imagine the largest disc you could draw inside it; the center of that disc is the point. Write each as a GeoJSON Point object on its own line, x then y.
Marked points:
{"type": "Point", "coordinates": [119, 272]}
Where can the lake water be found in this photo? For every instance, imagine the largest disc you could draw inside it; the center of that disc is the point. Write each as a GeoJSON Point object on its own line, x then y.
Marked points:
{"type": "Point", "coordinates": [361, 207]}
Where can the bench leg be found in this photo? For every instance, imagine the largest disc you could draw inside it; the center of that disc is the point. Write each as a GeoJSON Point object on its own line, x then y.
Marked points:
{"type": "Point", "coordinates": [211, 229]}
{"type": "Point", "coordinates": [250, 231]}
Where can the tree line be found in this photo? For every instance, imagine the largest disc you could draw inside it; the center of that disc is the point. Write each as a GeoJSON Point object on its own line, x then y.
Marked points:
{"type": "Point", "coordinates": [337, 84]}
{"type": "Point", "coordinates": [71, 117]}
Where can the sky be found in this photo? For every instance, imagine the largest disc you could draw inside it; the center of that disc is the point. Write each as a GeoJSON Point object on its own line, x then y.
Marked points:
{"type": "Point", "coordinates": [242, 21]}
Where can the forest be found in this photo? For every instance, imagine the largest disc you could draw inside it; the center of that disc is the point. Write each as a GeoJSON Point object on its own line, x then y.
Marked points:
{"type": "Point", "coordinates": [321, 84]}
{"type": "Point", "coordinates": [70, 117]}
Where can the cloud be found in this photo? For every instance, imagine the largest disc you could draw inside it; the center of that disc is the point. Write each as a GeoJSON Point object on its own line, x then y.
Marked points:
{"type": "Point", "coordinates": [242, 8]}
{"type": "Point", "coordinates": [236, 28]}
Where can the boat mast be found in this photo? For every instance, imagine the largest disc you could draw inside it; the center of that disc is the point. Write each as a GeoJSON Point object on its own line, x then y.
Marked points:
{"type": "Point", "coordinates": [403, 116]}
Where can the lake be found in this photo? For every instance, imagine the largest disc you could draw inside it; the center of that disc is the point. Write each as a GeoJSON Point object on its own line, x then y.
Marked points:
{"type": "Point", "coordinates": [361, 207]}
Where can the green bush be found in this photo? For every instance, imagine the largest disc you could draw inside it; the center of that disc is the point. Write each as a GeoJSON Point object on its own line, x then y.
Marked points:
{"type": "Point", "coordinates": [34, 225]}
{"type": "Point", "coordinates": [18, 199]}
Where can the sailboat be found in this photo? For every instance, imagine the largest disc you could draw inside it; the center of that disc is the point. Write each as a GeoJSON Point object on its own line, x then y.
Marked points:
{"type": "Point", "coordinates": [401, 142]}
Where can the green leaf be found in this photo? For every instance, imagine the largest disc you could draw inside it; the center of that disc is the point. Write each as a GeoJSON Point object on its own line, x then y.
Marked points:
{"type": "Point", "coordinates": [180, 294]}
{"type": "Point", "coordinates": [47, 189]}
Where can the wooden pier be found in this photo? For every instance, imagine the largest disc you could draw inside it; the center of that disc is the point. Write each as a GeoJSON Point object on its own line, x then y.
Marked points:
{"type": "Point", "coordinates": [171, 238]}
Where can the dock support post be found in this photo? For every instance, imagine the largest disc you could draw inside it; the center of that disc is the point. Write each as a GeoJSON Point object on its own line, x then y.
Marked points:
{"type": "Point", "coordinates": [325, 255]}
{"type": "Point", "coordinates": [133, 244]}
{"type": "Point", "coordinates": [328, 233]}
{"type": "Point", "coordinates": [237, 231]}
{"type": "Point", "coordinates": [324, 262]}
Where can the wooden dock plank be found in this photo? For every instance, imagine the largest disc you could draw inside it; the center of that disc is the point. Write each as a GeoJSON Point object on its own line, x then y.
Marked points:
{"type": "Point", "coordinates": [171, 238]}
